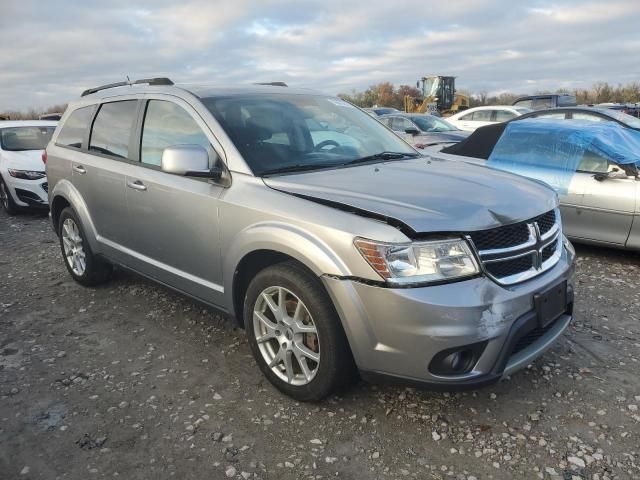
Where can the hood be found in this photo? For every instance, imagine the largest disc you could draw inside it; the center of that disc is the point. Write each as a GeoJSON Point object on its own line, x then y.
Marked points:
{"type": "Point", "coordinates": [24, 160]}
{"type": "Point", "coordinates": [426, 194]}
{"type": "Point", "coordinates": [440, 137]}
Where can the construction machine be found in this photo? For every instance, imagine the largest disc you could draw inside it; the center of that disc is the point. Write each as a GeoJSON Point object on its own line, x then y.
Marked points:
{"type": "Point", "coordinates": [438, 96]}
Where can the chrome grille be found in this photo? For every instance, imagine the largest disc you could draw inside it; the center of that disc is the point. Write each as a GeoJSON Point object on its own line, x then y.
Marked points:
{"type": "Point", "coordinates": [515, 253]}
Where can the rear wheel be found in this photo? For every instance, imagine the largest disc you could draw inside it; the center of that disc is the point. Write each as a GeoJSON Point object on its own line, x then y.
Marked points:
{"type": "Point", "coordinates": [85, 267]}
{"type": "Point", "coordinates": [6, 200]}
{"type": "Point", "coordinates": [295, 334]}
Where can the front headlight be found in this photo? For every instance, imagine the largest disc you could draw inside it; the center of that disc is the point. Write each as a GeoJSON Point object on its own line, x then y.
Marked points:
{"type": "Point", "coordinates": [26, 174]}
{"type": "Point", "coordinates": [419, 262]}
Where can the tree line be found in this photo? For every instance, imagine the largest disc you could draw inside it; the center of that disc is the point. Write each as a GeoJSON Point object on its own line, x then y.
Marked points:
{"type": "Point", "coordinates": [385, 94]}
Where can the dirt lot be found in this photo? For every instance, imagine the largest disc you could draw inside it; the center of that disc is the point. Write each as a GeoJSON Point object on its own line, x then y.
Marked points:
{"type": "Point", "coordinates": [131, 380]}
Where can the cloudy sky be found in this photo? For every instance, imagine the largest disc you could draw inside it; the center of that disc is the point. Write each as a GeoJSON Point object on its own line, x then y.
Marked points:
{"type": "Point", "coordinates": [52, 50]}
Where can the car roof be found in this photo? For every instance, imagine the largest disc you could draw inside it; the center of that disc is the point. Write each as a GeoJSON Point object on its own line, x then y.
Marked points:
{"type": "Point", "coordinates": [27, 123]}
{"type": "Point", "coordinates": [490, 107]}
{"type": "Point", "coordinates": [200, 90]}
{"type": "Point", "coordinates": [603, 111]}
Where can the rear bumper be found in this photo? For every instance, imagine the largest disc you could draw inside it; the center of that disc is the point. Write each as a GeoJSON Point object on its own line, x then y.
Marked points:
{"type": "Point", "coordinates": [395, 334]}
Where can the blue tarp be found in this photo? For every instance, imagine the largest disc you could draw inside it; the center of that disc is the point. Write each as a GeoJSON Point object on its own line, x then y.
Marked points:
{"type": "Point", "coordinates": [551, 150]}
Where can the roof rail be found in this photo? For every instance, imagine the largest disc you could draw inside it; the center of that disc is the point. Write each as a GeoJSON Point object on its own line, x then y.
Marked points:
{"type": "Point", "coordinates": [273, 84]}
{"type": "Point", "coordinates": [146, 81]}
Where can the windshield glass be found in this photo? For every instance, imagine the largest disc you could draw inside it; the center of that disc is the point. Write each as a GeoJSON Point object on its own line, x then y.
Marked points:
{"type": "Point", "coordinates": [427, 123]}
{"type": "Point", "coordinates": [523, 110]}
{"type": "Point", "coordinates": [301, 132]}
{"type": "Point", "coordinates": [628, 120]}
{"type": "Point", "coordinates": [15, 139]}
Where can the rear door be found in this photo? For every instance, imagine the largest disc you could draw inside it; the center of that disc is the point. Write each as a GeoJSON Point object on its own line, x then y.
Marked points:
{"type": "Point", "coordinates": [173, 219]}
{"type": "Point", "coordinates": [100, 175]}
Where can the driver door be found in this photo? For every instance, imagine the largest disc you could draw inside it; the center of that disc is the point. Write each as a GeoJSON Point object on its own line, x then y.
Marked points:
{"type": "Point", "coordinates": [173, 220]}
{"type": "Point", "coordinates": [607, 207]}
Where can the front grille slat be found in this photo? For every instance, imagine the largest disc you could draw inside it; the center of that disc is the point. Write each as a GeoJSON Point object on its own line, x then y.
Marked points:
{"type": "Point", "coordinates": [517, 252]}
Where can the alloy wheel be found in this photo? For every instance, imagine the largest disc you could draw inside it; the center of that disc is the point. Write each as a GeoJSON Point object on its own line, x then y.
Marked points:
{"type": "Point", "coordinates": [73, 250]}
{"type": "Point", "coordinates": [286, 335]}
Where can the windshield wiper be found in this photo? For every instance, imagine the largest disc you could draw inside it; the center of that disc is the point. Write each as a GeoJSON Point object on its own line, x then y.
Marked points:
{"type": "Point", "coordinates": [300, 167]}
{"type": "Point", "coordinates": [383, 156]}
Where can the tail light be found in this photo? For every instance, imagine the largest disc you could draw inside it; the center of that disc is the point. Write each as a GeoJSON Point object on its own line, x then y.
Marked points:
{"type": "Point", "coordinates": [44, 157]}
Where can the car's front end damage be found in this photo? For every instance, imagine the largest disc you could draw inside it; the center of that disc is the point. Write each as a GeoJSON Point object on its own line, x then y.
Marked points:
{"type": "Point", "coordinates": [476, 292]}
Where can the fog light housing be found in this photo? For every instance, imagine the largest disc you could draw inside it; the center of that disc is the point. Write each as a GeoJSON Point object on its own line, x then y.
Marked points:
{"type": "Point", "coordinates": [457, 360]}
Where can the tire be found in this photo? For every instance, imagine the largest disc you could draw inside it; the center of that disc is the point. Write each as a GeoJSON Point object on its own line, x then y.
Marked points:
{"type": "Point", "coordinates": [6, 200]}
{"type": "Point", "coordinates": [95, 270]}
{"type": "Point", "coordinates": [335, 368]}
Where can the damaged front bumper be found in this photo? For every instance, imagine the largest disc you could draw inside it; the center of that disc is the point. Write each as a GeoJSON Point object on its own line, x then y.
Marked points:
{"type": "Point", "coordinates": [415, 335]}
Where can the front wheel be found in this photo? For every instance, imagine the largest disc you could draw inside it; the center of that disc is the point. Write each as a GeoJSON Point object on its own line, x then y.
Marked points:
{"type": "Point", "coordinates": [295, 333]}
{"type": "Point", "coordinates": [6, 200]}
{"type": "Point", "coordinates": [84, 266]}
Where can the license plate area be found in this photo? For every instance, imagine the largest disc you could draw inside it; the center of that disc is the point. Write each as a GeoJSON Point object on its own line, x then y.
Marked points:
{"type": "Point", "coordinates": [550, 304]}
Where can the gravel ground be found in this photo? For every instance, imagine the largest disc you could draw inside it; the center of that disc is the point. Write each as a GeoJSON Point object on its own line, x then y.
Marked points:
{"type": "Point", "coordinates": [131, 380]}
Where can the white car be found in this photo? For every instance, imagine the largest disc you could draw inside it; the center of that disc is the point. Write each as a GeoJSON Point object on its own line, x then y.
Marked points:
{"type": "Point", "coordinates": [476, 117]}
{"type": "Point", "coordinates": [23, 182]}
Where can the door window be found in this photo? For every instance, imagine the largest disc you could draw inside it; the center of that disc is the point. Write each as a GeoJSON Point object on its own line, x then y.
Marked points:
{"type": "Point", "coordinates": [400, 124]}
{"type": "Point", "coordinates": [593, 162]}
{"type": "Point", "coordinates": [112, 127]}
{"type": "Point", "coordinates": [167, 124]}
{"type": "Point", "coordinates": [528, 103]}
{"type": "Point", "coordinates": [504, 115]}
{"type": "Point", "coordinates": [75, 127]}
{"type": "Point", "coordinates": [588, 116]}
{"type": "Point", "coordinates": [481, 116]}
{"type": "Point", "coordinates": [543, 102]}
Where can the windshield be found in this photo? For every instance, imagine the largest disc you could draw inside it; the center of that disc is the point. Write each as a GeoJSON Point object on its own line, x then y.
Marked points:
{"type": "Point", "coordinates": [522, 110]}
{"type": "Point", "coordinates": [301, 132]}
{"type": "Point", "coordinates": [427, 123]}
{"type": "Point", "coordinates": [14, 139]}
{"type": "Point", "coordinates": [629, 120]}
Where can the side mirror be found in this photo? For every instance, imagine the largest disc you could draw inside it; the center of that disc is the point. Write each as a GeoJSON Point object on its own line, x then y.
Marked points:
{"type": "Point", "coordinates": [616, 172]}
{"type": "Point", "coordinates": [412, 131]}
{"type": "Point", "coordinates": [188, 161]}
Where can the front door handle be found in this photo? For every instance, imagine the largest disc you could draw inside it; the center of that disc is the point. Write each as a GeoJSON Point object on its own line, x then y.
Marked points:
{"type": "Point", "coordinates": [137, 185]}
{"type": "Point", "coordinates": [80, 169]}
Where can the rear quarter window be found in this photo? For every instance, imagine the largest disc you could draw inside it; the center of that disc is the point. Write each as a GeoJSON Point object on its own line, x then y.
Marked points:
{"type": "Point", "coordinates": [73, 131]}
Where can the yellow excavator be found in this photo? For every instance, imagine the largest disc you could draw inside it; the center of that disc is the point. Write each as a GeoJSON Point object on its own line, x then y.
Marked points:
{"type": "Point", "coordinates": [438, 96]}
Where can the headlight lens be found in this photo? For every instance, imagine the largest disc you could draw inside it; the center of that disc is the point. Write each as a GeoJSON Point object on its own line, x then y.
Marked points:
{"type": "Point", "coordinates": [26, 174]}
{"type": "Point", "coordinates": [419, 262]}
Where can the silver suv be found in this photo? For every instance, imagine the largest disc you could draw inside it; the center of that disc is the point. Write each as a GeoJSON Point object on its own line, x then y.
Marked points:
{"type": "Point", "coordinates": [337, 246]}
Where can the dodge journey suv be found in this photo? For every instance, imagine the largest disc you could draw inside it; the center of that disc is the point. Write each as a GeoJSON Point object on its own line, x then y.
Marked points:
{"type": "Point", "coordinates": [336, 245]}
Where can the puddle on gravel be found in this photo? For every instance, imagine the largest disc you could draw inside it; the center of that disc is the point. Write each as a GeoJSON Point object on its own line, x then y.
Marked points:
{"type": "Point", "coordinates": [52, 418]}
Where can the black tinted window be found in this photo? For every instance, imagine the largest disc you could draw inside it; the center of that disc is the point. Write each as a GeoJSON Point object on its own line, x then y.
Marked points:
{"type": "Point", "coordinates": [112, 128]}
{"type": "Point", "coordinates": [167, 124]}
{"type": "Point", "coordinates": [75, 127]}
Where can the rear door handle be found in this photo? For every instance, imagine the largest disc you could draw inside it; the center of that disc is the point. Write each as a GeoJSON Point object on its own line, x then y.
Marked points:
{"type": "Point", "coordinates": [80, 169]}
{"type": "Point", "coordinates": [137, 185]}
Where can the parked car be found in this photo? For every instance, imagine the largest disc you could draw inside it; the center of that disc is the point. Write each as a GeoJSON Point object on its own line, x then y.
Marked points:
{"type": "Point", "coordinates": [591, 165]}
{"type": "Point", "coordinates": [50, 116]}
{"type": "Point", "coordinates": [378, 111]}
{"type": "Point", "coordinates": [335, 256]}
{"type": "Point", "coordinates": [586, 113]}
{"type": "Point", "coordinates": [23, 183]}
{"type": "Point", "coordinates": [539, 102]}
{"type": "Point", "coordinates": [422, 130]}
{"type": "Point", "coordinates": [476, 117]}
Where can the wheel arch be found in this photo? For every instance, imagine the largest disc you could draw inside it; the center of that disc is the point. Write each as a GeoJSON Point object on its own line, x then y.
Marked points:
{"type": "Point", "coordinates": [267, 244]}
{"type": "Point", "coordinates": [66, 195]}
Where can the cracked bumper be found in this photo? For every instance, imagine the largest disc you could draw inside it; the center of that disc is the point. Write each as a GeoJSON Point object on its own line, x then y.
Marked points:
{"type": "Point", "coordinates": [395, 333]}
